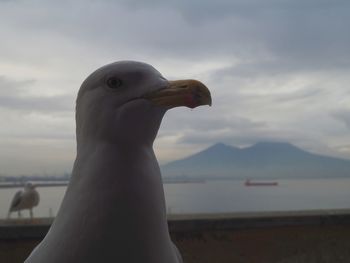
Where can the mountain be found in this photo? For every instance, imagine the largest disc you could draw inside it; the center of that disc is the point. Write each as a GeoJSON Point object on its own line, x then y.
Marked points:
{"type": "Point", "coordinates": [262, 160]}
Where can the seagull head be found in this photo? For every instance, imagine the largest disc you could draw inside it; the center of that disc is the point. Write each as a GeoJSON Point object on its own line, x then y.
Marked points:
{"type": "Point", "coordinates": [124, 102]}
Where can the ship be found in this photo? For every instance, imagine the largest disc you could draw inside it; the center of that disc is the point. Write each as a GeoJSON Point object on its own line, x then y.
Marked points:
{"type": "Point", "coordinates": [249, 182]}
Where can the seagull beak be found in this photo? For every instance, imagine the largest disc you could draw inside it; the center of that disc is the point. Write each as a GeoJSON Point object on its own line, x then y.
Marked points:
{"type": "Point", "coordinates": [189, 93]}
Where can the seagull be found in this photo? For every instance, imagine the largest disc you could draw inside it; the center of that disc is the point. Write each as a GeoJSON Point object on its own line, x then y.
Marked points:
{"type": "Point", "coordinates": [114, 207]}
{"type": "Point", "coordinates": [25, 199]}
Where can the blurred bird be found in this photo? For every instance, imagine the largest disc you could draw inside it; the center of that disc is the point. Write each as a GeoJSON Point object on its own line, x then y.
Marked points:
{"type": "Point", "coordinates": [25, 199]}
{"type": "Point", "coordinates": [114, 207]}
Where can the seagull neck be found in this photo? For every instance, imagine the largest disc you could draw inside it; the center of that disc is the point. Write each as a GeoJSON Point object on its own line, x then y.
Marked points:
{"type": "Point", "coordinates": [114, 151]}
{"type": "Point", "coordinates": [122, 163]}
{"type": "Point", "coordinates": [133, 178]}
{"type": "Point", "coordinates": [128, 173]}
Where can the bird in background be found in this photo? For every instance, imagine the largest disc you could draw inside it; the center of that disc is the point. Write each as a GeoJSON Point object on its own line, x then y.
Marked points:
{"type": "Point", "coordinates": [114, 207]}
{"type": "Point", "coordinates": [27, 198]}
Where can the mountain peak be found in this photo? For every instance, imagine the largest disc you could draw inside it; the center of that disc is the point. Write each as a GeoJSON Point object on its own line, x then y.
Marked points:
{"type": "Point", "coordinates": [262, 160]}
{"type": "Point", "coordinates": [220, 147]}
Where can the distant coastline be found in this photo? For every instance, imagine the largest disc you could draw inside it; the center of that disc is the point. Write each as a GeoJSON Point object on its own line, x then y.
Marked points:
{"type": "Point", "coordinates": [54, 182]}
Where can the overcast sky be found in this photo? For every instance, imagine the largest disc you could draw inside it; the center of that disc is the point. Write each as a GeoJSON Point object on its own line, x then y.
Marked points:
{"type": "Point", "coordinates": [278, 70]}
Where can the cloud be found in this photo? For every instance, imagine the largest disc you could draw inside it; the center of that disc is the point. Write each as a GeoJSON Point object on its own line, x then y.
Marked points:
{"type": "Point", "coordinates": [285, 34]}
{"type": "Point", "coordinates": [343, 116]}
{"type": "Point", "coordinates": [206, 127]}
{"type": "Point", "coordinates": [308, 34]}
{"type": "Point", "coordinates": [43, 104]}
{"type": "Point", "coordinates": [278, 70]}
{"type": "Point", "coordinates": [7, 85]}
{"type": "Point", "coordinates": [13, 96]}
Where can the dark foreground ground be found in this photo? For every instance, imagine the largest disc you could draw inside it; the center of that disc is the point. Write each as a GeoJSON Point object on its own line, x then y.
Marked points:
{"type": "Point", "coordinates": [318, 237]}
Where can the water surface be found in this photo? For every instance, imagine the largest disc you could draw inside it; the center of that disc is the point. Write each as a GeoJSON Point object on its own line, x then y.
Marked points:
{"type": "Point", "coordinates": [221, 197]}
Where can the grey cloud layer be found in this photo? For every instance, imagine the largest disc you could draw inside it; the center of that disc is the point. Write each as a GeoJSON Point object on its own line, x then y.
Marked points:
{"type": "Point", "coordinates": [299, 34]}
{"type": "Point", "coordinates": [307, 33]}
{"type": "Point", "coordinates": [343, 116]}
{"type": "Point", "coordinates": [13, 96]}
{"type": "Point", "coordinates": [278, 70]}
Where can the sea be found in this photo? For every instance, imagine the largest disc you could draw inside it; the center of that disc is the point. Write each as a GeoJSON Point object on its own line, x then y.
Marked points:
{"type": "Point", "coordinates": [220, 196]}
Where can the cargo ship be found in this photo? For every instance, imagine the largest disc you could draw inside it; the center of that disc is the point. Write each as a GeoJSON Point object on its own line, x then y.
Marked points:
{"type": "Point", "coordinates": [249, 182]}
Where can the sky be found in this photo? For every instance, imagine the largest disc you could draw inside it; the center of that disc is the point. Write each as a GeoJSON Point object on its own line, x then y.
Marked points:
{"type": "Point", "coordinates": [277, 71]}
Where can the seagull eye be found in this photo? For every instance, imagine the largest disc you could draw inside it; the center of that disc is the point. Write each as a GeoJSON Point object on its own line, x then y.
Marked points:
{"type": "Point", "coordinates": [114, 83]}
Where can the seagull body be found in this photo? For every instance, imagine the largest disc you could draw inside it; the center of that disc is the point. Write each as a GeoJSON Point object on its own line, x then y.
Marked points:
{"type": "Point", "coordinates": [25, 199]}
{"type": "Point", "coordinates": [114, 207]}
